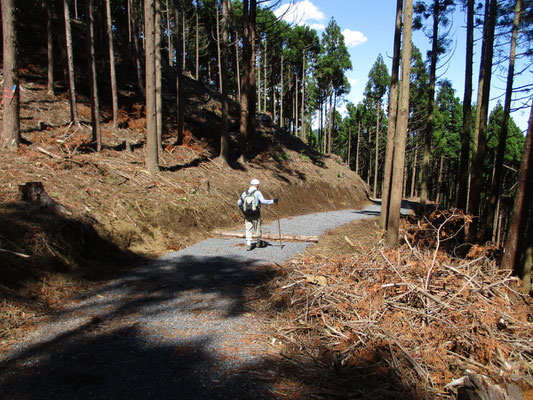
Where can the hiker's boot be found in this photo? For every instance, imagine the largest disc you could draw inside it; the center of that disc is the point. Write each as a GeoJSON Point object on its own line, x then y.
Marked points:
{"type": "Point", "coordinates": [250, 247]}
{"type": "Point", "coordinates": [262, 244]}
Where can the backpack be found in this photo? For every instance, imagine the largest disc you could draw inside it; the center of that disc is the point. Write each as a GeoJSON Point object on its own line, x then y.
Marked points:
{"type": "Point", "coordinates": [250, 203]}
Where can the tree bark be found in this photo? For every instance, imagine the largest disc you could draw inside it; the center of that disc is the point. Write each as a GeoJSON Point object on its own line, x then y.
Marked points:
{"type": "Point", "coordinates": [113, 75]}
{"type": "Point", "coordinates": [246, 54]}
{"type": "Point", "coordinates": [357, 151]}
{"type": "Point", "coordinates": [514, 245]}
{"type": "Point", "coordinates": [304, 136]}
{"type": "Point", "coordinates": [158, 76]}
{"type": "Point", "coordinates": [376, 165]}
{"type": "Point", "coordinates": [480, 139]}
{"type": "Point", "coordinates": [498, 165]}
{"type": "Point", "coordinates": [152, 160]}
{"type": "Point", "coordinates": [252, 79]}
{"type": "Point", "coordinates": [197, 48]}
{"type": "Point", "coordinates": [401, 129]}
{"type": "Point", "coordinates": [95, 104]}
{"type": "Point", "coordinates": [413, 179]}
{"type": "Point", "coordinates": [180, 105]}
{"type": "Point", "coordinates": [169, 38]}
{"type": "Point", "coordinates": [462, 194]}
{"type": "Point", "coordinates": [431, 105]}
{"type": "Point", "coordinates": [224, 139]}
{"type": "Point", "coordinates": [393, 109]}
{"type": "Point", "coordinates": [74, 116]}
{"type": "Point", "coordinates": [237, 70]}
{"type": "Point", "coordinates": [10, 135]}
{"type": "Point", "coordinates": [281, 123]}
{"type": "Point", "coordinates": [50, 47]}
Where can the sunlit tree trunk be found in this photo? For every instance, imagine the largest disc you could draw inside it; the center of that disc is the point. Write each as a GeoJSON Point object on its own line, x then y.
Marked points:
{"type": "Point", "coordinates": [10, 135]}
{"type": "Point", "coordinates": [219, 53]}
{"type": "Point", "coordinates": [304, 136]}
{"type": "Point", "coordinates": [480, 133]}
{"type": "Point", "coordinates": [462, 194]}
{"type": "Point", "coordinates": [413, 180]}
{"type": "Point", "coordinates": [246, 61]}
{"type": "Point", "coordinates": [431, 105]}
{"type": "Point", "coordinates": [393, 109]}
{"type": "Point", "coordinates": [376, 165]}
{"type": "Point", "coordinates": [152, 158]}
{"type": "Point", "coordinates": [498, 165]}
{"type": "Point", "coordinates": [158, 76]}
{"type": "Point", "coordinates": [357, 151]}
{"type": "Point", "coordinates": [519, 240]}
{"type": "Point", "coordinates": [95, 104]}
{"type": "Point", "coordinates": [224, 139]}
{"type": "Point", "coordinates": [400, 138]}
{"type": "Point", "coordinates": [179, 76]}
{"type": "Point", "coordinates": [252, 79]}
{"type": "Point", "coordinates": [113, 75]}
{"type": "Point", "coordinates": [237, 71]}
{"type": "Point", "coordinates": [281, 122]}
{"type": "Point", "coordinates": [74, 116]}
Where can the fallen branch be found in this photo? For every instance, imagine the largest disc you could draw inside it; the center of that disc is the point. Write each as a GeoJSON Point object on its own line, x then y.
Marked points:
{"type": "Point", "coordinates": [267, 236]}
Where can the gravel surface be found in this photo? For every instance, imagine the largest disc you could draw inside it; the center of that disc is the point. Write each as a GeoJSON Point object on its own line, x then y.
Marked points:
{"type": "Point", "coordinates": [174, 328]}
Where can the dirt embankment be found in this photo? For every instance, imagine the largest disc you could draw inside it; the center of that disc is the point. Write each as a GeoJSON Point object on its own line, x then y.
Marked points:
{"type": "Point", "coordinates": [118, 213]}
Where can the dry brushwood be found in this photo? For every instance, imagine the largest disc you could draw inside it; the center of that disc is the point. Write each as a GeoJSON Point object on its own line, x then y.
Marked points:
{"type": "Point", "coordinates": [416, 310]}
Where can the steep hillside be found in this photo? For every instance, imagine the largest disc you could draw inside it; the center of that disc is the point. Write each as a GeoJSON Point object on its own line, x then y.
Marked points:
{"type": "Point", "coordinates": [116, 211]}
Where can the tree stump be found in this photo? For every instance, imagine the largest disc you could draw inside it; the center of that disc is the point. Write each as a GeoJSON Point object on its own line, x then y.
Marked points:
{"type": "Point", "coordinates": [34, 193]}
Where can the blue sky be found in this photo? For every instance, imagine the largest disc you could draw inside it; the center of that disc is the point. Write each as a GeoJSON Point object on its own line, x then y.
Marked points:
{"type": "Point", "coordinates": [368, 28]}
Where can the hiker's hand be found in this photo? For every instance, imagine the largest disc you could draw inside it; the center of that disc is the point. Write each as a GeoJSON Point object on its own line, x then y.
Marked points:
{"type": "Point", "coordinates": [275, 200]}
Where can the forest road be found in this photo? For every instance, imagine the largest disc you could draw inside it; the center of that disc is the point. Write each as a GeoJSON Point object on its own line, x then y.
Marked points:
{"type": "Point", "coordinates": [174, 328]}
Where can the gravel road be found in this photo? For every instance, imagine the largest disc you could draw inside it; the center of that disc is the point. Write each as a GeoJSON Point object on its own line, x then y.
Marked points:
{"type": "Point", "coordinates": [174, 328]}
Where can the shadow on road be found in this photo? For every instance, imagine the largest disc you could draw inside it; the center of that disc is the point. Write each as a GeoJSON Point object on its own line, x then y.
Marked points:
{"type": "Point", "coordinates": [176, 329]}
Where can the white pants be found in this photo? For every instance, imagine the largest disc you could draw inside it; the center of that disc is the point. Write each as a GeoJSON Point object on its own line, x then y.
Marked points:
{"type": "Point", "coordinates": [252, 224]}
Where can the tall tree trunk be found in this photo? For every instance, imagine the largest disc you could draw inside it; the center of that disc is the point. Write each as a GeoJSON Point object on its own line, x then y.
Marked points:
{"type": "Point", "coordinates": [401, 129]}
{"type": "Point", "coordinates": [169, 38]}
{"type": "Point", "coordinates": [224, 139]}
{"type": "Point", "coordinates": [304, 136]}
{"type": "Point", "coordinates": [498, 165]}
{"type": "Point", "coordinates": [129, 20]}
{"type": "Point", "coordinates": [180, 106]}
{"type": "Point", "coordinates": [246, 61]}
{"type": "Point", "coordinates": [158, 76]}
{"type": "Point", "coordinates": [357, 151]}
{"type": "Point", "coordinates": [296, 109]}
{"type": "Point", "coordinates": [376, 165]}
{"type": "Point", "coordinates": [393, 109]}
{"type": "Point", "coordinates": [95, 104]}
{"type": "Point", "coordinates": [219, 54]}
{"type": "Point", "coordinates": [462, 194]}
{"type": "Point", "coordinates": [137, 56]}
{"type": "Point", "coordinates": [330, 122]}
{"type": "Point", "coordinates": [152, 158]}
{"type": "Point", "coordinates": [237, 70]}
{"type": "Point", "coordinates": [480, 134]}
{"type": "Point", "coordinates": [10, 135]}
{"type": "Point", "coordinates": [413, 180]}
{"type": "Point", "coordinates": [259, 102]}
{"type": "Point", "coordinates": [113, 75]}
{"type": "Point", "coordinates": [439, 180]}
{"type": "Point", "coordinates": [515, 245]}
{"type": "Point", "coordinates": [76, 9]}
{"type": "Point", "coordinates": [281, 123]}
{"type": "Point", "coordinates": [252, 79]}
{"type": "Point", "coordinates": [265, 78]}
{"type": "Point", "coordinates": [197, 48]}
{"type": "Point", "coordinates": [431, 105]}
{"type": "Point", "coordinates": [74, 116]}
{"type": "Point", "coordinates": [183, 41]}
{"type": "Point", "coordinates": [50, 47]}
{"type": "Point", "coordinates": [349, 145]}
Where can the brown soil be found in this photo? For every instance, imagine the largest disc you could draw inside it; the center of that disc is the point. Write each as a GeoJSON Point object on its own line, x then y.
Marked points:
{"type": "Point", "coordinates": [119, 212]}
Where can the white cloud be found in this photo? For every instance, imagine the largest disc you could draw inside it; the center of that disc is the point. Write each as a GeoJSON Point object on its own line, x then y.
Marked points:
{"type": "Point", "coordinates": [300, 13]}
{"type": "Point", "coordinates": [352, 81]}
{"type": "Point", "coordinates": [318, 27]}
{"type": "Point", "coordinates": [353, 38]}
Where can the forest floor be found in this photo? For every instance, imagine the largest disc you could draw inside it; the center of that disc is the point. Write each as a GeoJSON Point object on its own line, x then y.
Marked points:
{"type": "Point", "coordinates": [420, 316]}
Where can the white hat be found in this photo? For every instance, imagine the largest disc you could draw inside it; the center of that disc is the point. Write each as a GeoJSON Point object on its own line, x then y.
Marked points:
{"type": "Point", "coordinates": [254, 182]}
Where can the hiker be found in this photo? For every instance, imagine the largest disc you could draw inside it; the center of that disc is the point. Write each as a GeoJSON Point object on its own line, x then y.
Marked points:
{"type": "Point", "coordinates": [250, 205]}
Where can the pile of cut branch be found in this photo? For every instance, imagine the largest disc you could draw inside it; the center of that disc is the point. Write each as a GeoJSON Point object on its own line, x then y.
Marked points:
{"type": "Point", "coordinates": [405, 322]}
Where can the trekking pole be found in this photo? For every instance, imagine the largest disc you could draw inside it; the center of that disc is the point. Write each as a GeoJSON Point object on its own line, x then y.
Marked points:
{"type": "Point", "coordinates": [279, 230]}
